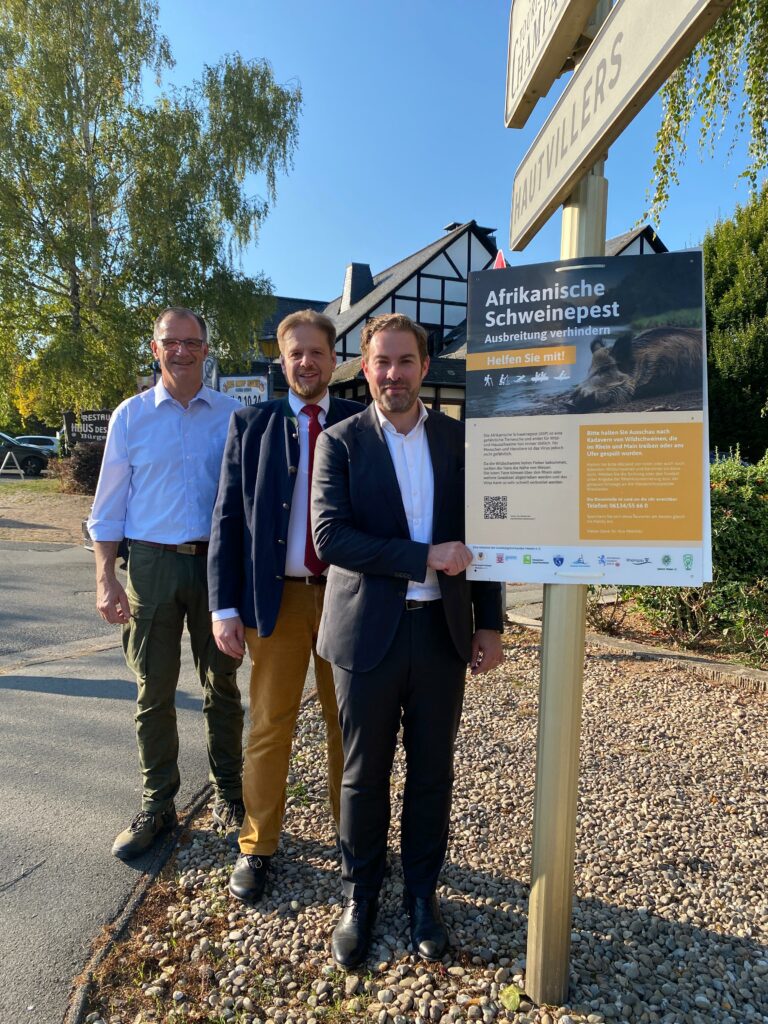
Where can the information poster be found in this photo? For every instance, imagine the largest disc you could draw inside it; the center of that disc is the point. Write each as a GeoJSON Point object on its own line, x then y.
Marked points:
{"type": "Point", "coordinates": [248, 390]}
{"type": "Point", "coordinates": [587, 446]}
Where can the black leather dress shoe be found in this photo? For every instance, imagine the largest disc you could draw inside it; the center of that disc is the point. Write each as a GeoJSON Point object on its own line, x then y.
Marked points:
{"type": "Point", "coordinates": [352, 935]}
{"type": "Point", "coordinates": [248, 878]}
{"type": "Point", "coordinates": [429, 937]}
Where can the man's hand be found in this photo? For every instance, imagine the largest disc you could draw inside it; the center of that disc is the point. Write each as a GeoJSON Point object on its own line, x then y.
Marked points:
{"type": "Point", "coordinates": [111, 600]}
{"type": "Point", "coordinates": [451, 558]}
{"type": "Point", "coordinates": [229, 635]}
{"type": "Point", "coordinates": [487, 652]}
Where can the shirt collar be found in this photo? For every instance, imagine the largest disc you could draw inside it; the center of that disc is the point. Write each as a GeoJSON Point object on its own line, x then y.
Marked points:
{"type": "Point", "coordinates": [392, 429]}
{"type": "Point", "coordinates": [162, 394]}
{"type": "Point", "coordinates": [297, 404]}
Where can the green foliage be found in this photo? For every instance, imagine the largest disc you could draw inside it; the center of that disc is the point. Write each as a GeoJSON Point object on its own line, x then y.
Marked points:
{"type": "Point", "coordinates": [112, 208]}
{"type": "Point", "coordinates": [736, 281]}
{"type": "Point", "coordinates": [726, 76]}
{"type": "Point", "coordinates": [734, 607]}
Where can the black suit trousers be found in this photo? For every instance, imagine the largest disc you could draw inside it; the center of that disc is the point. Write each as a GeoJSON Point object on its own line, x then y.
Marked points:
{"type": "Point", "coordinates": [419, 683]}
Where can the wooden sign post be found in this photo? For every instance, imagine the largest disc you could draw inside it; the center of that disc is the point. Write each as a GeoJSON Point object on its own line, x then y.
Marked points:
{"type": "Point", "coordinates": [550, 907]}
{"type": "Point", "coordinates": [637, 47]}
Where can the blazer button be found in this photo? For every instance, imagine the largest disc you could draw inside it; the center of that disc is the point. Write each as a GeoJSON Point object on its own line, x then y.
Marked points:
{"type": "Point", "coordinates": [278, 577]}
{"type": "Point", "coordinates": [286, 506]}
{"type": "Point", "coordinates": [292, 469]}
{"type": "Point", "coordinates": [280, 540]}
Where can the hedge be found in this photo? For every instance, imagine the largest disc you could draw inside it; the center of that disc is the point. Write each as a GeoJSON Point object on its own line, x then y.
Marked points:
{"type": "Point", "coordinates": [733, 609]}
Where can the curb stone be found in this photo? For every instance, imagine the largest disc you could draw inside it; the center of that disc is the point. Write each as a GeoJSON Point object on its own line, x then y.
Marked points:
{"type": "Point", "coordinates": [115, 929]}
{"type": "Point", "coordinates": [73, 649]}
{"type": "Point", "coordinates": [740, 676]}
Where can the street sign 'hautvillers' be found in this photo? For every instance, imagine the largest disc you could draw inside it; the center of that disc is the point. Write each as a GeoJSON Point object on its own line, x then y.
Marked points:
{"type": "Point", "coordinates": [637, 48]}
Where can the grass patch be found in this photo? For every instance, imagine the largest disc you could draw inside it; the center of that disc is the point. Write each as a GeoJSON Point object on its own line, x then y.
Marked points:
{"type": "Point", "coordinates": [33, 486]}
{"type": "Point", "coordinates": [299, 792]}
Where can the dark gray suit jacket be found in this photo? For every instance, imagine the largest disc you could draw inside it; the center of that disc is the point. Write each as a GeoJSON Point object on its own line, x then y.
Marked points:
{"type": "Point", "coordinates": [360, 527]}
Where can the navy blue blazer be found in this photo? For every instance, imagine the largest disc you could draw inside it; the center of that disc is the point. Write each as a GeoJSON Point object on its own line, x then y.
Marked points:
{"type": "Point", "coordinates": [246, 556]}
{"type": "Point", "coordinates": [360, 527]}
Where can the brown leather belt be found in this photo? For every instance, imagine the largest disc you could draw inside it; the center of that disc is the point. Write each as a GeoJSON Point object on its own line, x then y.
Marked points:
{"type": "Point", "coordinates": [313, 581]}
{"type": "Point", "coordinates": [194, 547]}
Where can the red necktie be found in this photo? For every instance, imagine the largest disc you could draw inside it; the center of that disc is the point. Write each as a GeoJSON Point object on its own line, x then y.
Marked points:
{"type": "Point", "coordinates": [315, 566]}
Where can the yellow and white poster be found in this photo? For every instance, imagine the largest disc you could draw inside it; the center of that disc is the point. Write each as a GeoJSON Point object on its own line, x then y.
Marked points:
{"type": "Point", "coordinates": [587, 450]}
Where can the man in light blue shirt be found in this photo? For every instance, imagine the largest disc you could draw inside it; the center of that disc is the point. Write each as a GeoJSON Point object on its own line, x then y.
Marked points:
{"type": "Point", "coordinates": [157, 488]}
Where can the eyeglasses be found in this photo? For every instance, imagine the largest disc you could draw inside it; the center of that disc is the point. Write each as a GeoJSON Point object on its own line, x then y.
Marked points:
{"type": "Point", "coordinates": [191, 344]}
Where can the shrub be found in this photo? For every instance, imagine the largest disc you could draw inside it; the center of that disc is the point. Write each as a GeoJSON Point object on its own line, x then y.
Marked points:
{"type": "Point", "coordinates": [79, 473]}
{"type": "Point", "coordinates": [734, 607]}
{"type": "Point", "coordinates": [606, 609]}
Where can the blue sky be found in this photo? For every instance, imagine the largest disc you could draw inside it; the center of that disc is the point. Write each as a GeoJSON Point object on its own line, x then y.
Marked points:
{"type": "Point", "coordinates": [402, 132]}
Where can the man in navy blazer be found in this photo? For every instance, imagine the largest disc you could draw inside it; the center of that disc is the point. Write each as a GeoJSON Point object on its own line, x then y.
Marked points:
{"type": "Point", "coordinates": [266, 583]}
{"type": "Point", "coordinates": [400, 624]}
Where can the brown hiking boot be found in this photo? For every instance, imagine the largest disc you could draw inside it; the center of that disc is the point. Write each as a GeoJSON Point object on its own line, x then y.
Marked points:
{"type": "Point", "coordinates": [228, 815]}
{"type": "Point", "coordinates": [142, 832]}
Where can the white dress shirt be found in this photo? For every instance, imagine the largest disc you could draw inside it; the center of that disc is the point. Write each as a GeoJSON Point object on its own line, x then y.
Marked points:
{"type": "Point", "coordinates": [413, 466]}
{"type": "Point", "coordinates": [297, 521]}
{"type": "Point", "coordinates": [161, 467]}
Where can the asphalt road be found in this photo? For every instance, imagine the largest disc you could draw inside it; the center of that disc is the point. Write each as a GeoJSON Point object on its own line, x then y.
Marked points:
{"type": "Point", "coordinates": [69, 779]}
{"type": "Point", "coordinates": [47, 597]}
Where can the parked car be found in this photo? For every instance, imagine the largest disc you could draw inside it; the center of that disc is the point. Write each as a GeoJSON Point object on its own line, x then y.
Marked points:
{"type": "Point", "coordinates": [48, 444]}
{"type": "Point", "coordinates": [31, 460]}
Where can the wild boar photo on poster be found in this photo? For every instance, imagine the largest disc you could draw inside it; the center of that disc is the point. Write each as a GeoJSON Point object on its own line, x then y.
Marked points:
{"type": "Point", "coordinates": [587, 451]}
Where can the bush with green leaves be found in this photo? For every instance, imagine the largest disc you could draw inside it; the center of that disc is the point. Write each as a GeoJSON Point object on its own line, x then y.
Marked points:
{"type": "Point", "coordinates": [733, 609]}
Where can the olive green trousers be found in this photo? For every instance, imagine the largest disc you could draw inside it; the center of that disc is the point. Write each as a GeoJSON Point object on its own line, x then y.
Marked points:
{"type": "Point", "coordinates": [164, 589]}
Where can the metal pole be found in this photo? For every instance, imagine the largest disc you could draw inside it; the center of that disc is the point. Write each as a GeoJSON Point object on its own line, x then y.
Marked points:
{"type": "Point", "coordinates": [560, 692]}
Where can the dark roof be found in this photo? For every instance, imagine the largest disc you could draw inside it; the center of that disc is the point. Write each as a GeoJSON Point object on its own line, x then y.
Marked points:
{"type": "Point", "coordinates": [347, 370]}
{"type": "Point", "coordinates": [615, 246]}
{"type": "Point", "coordinates": [284, 306]}
{"type": "Point", "coordinates": [450, 372]}
{"type": "Point", "coordinates": [389, 280]}
{"type": "Point", "coordinates": [441, 371]}
{"type": "Point", "coordinates": [455, 343]}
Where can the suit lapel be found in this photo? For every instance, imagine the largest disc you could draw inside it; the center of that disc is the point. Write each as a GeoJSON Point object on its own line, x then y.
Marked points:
{"type": "Point", "coordinates": [439, 455]}
{"type": "Point", "coordinates": [334, 413]}
{"type": "Point", "coordinates": [291, 433]}
{"type": "Point", "coordinates": [374, 449]}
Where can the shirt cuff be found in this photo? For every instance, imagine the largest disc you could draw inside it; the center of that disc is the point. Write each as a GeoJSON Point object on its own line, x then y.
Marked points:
{"type": "Point", "coordinates": [106, 529]}
{"type": "Point", "coordinates": [224, 613]}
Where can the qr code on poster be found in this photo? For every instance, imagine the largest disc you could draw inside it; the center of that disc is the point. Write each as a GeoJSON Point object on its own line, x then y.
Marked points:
{"type": "Point", "coordinates": [494, 507]}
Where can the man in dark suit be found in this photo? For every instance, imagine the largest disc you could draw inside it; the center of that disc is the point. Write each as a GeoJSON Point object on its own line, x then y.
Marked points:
{"type": "Point", "coordinates": [388, 514]}
{"type": "Point", "coordinates": [266, 583]}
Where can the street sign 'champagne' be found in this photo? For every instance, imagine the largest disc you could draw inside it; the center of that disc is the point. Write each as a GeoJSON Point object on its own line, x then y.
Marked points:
{"type": "Point", "coordinates": [542, 36]}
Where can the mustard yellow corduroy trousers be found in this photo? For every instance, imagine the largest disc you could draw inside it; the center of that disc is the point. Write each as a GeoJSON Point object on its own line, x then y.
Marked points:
{"type": "Point", "coordinates": [278, 672]}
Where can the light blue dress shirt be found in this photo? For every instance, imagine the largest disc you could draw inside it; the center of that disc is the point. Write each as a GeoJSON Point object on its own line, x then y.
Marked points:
{"type": "Point", "coordinates": [161, 467]}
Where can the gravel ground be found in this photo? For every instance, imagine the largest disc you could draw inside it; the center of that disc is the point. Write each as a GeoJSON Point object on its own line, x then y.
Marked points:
{"type": "Point", "coordinates": [671, 912]}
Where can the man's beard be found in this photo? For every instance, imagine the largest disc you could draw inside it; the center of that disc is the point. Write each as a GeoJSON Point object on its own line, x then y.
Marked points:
{"type": "Point", "coordinates": [316, 390]}
{"type": "Point", "coordinates": [399, 401]}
